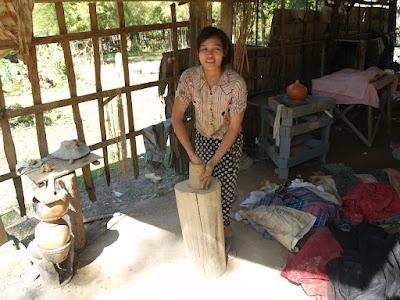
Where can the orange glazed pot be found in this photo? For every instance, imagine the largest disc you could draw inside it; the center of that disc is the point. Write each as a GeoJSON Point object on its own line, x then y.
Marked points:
{"type": "Point", "coordinates": [296, 91]}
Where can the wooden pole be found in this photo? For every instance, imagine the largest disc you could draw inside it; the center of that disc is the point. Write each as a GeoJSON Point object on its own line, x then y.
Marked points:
{"type": "Point", "coordinates": [33, 74]}
{"type": "Point", "coordinates": [283, 45]}
{"type": "Point", "coordinates": [200, 215]}
{"type": "Point", "coordinates": [175, 45]}
{"type": "Point", "coordinates": [11, 156]}
{"type": "Point", "coordinates": [3, 233]}
{"type": "Point", "coordinates": [70, 184]}
{"type": "Point", "coordinates": [125, 62]}
{"type": "Point", "coordinates": [87, 175]}
{"type": "Point", "coordinates": [97, 71]}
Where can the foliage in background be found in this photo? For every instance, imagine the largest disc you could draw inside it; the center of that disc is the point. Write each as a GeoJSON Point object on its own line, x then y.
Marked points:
{"type": "Point", "coordinates": [50, 118]}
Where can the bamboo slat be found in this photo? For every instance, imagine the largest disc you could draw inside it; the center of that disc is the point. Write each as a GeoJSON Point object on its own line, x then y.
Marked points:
{"type": "Point", "coordinates": [175, 45]}
{"type": "Point", "coordinates": [62, 37]}
{"type": "Point", "coordinates": [125, 63]}
{"type": "Point", "coordinates": [37, 99]}
{"type": "Point", "coordinates": [11, 156]}
{"type": "Point", "coordinates": [114, 140]}
{"type": "Point", "coordinates": [87, 175]}
{"type": "Point", "coordinates": [97, 70]}
{"type": "Point", "coordinates": [79, 99]}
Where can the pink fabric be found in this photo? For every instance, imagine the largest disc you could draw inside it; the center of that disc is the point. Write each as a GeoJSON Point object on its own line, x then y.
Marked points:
{"type": "Point", "coordinates": [308, 266]}
{"type": "Point", "coordinates": [350, 86]}
{"type": "Point", "coordinates": [371, 202]}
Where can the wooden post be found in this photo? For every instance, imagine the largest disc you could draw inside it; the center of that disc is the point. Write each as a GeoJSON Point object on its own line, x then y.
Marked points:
{"type": "Point", "coordinates": [3, 233]}
{"type": "Point", "coordinates": [87, 175]}
{"type": "Point", "coordinates": [70, 185]}
{"type": "Point", "coordinates": [175, 45]}
{"type": "Point", "coordinates": [37, 99]}
{"type": "Point", "coordinates": [200, 215]}
{"type": "Point", "coordinates": [125, 62]}
{"type": "Point", "coordinates": [11, 156]}
{"type": "Point", "coordinates": [97, 70]}
{"type": "Point", "coordinates": [227, 17]}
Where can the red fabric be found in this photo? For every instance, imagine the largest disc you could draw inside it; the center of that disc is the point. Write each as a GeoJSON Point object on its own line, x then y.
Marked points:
{"type": "Point", "coordinates": [371, 202]}
{"type": "Point", "coordinates": [308, 266]}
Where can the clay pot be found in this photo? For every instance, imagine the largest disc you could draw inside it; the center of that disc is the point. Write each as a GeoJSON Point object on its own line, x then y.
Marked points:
{"type": "Point", "coordinates": [52, 211]}
{"type": "Point", "coordinates": [296, 91]}
{"type": "Point", "coordinates": [49, 205]}
{"type": "Point", "coordinates": [51, 236]}
{"type": "Point", "coordinates": [55, 256]}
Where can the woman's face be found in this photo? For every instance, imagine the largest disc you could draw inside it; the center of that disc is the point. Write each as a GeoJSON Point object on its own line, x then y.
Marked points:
{"type": "Point", "coordinates": [211, 53]}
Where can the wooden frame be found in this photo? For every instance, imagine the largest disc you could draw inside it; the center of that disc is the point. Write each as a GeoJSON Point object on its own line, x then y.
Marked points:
{"type": "Point", "coordinates": [101, 96]}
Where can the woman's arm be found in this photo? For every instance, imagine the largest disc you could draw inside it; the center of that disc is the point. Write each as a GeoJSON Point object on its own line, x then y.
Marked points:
{"type": "Point", "coordinates": [178, 122]}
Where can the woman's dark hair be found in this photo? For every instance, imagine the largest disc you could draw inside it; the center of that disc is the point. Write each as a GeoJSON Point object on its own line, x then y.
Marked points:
{"type": "Point", "coordinates": [210, 31]}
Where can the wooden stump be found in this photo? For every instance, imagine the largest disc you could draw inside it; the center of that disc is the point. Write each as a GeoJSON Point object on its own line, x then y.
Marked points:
{"type": "Point", "coordinates": [74, 215]}
{"type": "Point", "coordinates": [3, 234]}
{"type": "Point", "coordinates": [200, 214]}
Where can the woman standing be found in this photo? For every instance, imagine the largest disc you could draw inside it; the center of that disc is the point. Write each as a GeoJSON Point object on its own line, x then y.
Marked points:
{"type": "Point", "coordinates": [219, 96]}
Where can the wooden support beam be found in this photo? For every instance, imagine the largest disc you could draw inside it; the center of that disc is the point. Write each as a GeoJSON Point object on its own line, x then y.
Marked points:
{"type": "Point", "coordinates": [125, 64]}
{"type": "Point", "coordinates": [97, 71]}
{"type": "Point", "coordinates": [63, 37]}
{"type": "Point", "coordinates": [227, 17]}
{"type": "Point", "coordinates": [79, 99]}
{"type": "Point", "coordinates": [87, 175]}
{"type": "Point", "coordinates": [11, 156]}
{"type": "Point", "coordinates": [33, 74]}
{"type": "Point", "coordinates": [175, 45]}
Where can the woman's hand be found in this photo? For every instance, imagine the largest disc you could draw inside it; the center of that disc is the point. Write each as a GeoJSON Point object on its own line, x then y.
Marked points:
{"type": "Point", "coordinates": [207, 176]}
{"type": "Point", "coordinates": [194, 159]}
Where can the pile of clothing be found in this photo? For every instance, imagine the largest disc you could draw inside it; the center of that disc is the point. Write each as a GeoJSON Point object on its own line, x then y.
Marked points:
{"type": "Point", "coordinates": [332, 227]}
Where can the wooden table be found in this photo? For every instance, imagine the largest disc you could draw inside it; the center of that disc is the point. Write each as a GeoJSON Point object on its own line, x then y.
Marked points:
{"type": "Point", "coordinates": [304, 130]}
{"type": "Point", "coordinates": [383, 87]}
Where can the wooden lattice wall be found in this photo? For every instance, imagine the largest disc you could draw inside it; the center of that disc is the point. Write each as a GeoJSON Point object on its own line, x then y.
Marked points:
{"type": "Point", "coordinates": [101, 96]}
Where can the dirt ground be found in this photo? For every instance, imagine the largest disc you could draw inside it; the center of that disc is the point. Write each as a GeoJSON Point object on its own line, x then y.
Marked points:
{"type": "Point", "coordinates": [139, 252]}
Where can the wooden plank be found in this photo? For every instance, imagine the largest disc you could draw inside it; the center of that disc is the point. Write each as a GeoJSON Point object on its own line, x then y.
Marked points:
{"type": "Point", "coordinates": [11, 156]}
{"type": "Point", "coordinates": [79, 99]}
{"type": "Point", "coordinates": [37, 99]}
{"type": "Point", "coordinates": [62, 37]}
{"type": "Point", "coordinates": [97, 72]}
{"type": "Point", "coordinates": [87, 175]}
{"type": "Point", "coordinates": [114, 140]}
{"type": "Point", "coordinates": [125, 63]}
{"type": "Point", "coordinates": [7, 176]}
{"type": "Point", "coordinates": [60, 168]}
{"type": "Point", "coordinates": [310, 126]}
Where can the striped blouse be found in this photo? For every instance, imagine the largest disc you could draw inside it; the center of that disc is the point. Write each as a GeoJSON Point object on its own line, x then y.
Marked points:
{"type": "Point", "coordinates": [213, 106]}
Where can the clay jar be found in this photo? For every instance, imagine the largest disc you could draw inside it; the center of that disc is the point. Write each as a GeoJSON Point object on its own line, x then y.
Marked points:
{"type": "Point", "coordinates": [51, 236]}
{"type": "Point", "coordinates": [50, 212]}
{"type": "Point", "coordinates": [296, 91]}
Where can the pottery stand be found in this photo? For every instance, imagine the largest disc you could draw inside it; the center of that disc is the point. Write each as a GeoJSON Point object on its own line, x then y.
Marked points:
{"type": "Point", "coordinates": [3, 234]}
{"type": "Point", "coordinates": [53, 274]}
{"type": "Point", "coordinates": [57, 269]}
{"type": "Point", "coordinates": [200, 215]}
